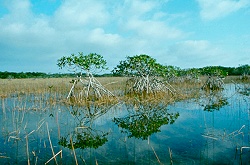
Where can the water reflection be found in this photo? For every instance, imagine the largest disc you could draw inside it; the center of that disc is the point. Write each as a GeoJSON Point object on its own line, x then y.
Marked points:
{"type": "Point", "coordinates": [84, 135]}
{"type": "Point", "coordinates": [145, 119]}
{"type": "Point", "coordinates": [86, 138]}
{"type": "Point", "coordinates": [215, 133]}
{"type": "Point", "coordinates": [213, 100]}
{"type": "Point", "coordinates": [243, 89]}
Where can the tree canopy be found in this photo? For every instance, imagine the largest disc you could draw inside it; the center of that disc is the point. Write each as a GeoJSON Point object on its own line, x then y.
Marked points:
{"type": "Point", "coordinates": [139, 65]}
{"type": "Point", "coordinates": [88, 63]}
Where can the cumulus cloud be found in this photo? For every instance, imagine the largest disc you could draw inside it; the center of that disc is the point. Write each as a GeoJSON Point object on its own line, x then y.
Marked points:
{"type": "Point", "coordinates": [78, 26]}
{"type": "Point", "coordinates": [213, 9]}
{"type": "Point", "coordinates": [153, 29]}
{"type": "Point", "coordinates": [73, 14]}
{"type": "Point", "coordinates": [199, 52]}
{"type": "Point", "coordinates": [114, 29]}
{"type": "Point", "coordinates": [99, 36]}
{"type": "Point", "coordinates": [144, 20]}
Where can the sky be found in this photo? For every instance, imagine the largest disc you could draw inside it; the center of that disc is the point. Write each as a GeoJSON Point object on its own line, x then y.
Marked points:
{"type": "Point", "coordinates": [34, 34]}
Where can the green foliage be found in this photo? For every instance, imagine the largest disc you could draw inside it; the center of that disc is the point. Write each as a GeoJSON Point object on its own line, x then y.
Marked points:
{"type": "Point", "coordinates": [9, 75]}
{"type": "Point", "coordinates": [140, 65]}
{"type": "Point", "coordinates": [216, 105]}
{"type": "Point", "coordinates": [214, 100]}
{"type": "Point", "coordinates": [193, 72]}
{"type": "Point", "coordinates": [214, 71]}
{"type": "Point", "coordinates": [145, 73]}
{"type": "Point", "coordinates": [84, 140]}
{"type": "Point", "coordinates": [244, 69]}
{"type": "Point", "coordinates": [172, 71]}
{"type": "Point", "coordinates": [82, 62]}
{"type": "Point", "coordinates": [145, 121]}
{"type": "Point", "coordinates": [168, 71]}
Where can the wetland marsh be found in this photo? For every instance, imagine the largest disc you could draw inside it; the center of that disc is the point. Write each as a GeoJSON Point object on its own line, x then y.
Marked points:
{"type": "Point", "coordinates": [40, 126]}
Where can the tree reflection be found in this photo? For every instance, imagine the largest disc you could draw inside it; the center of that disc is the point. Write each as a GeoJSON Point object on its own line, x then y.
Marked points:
{"type": "Point", "coordinates": [86, 138]}
{"type": "Point", "coordinates": [145, 119]}
{"type": "Point", "coordinates": [243, 89]}
{"type": "Point", "coordinates": [84, 135]}
{"type": "Point", "coordinates": [214, 101]}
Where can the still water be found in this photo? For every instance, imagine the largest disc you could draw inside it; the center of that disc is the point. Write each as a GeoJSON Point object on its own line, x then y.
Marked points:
{"type": "Point", "coordinates": [214, 129]}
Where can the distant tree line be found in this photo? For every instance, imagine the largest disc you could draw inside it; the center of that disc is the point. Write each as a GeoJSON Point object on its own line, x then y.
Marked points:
{"type": "Point", "coordinates": [242, 70]}
{"type": "Point", "coordinates": [21, 75]}
{"type": "Point", "coordinates": [209, 70]}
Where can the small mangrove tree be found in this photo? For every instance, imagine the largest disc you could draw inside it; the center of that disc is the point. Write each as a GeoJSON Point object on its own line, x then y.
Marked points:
{"type": "Point", "coordinates": [82, 64]}
{"type": "Point", "coordinates": [145, 75]}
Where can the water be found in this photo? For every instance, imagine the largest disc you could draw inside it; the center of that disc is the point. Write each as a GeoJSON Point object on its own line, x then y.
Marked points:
{"type": "Point", "coordinates": [214, 129]}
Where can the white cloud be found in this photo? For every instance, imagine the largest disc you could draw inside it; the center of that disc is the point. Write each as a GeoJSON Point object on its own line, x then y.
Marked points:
{"type": "Point", "coordinates": [153, 29]}
{"type": "Point", "coordinates": [197, 53]}
{"type": "Point", "coordinates": [74, 14]}
{"type": "Point", "coordinates": [139, 8]}
{"type": "Point", "coordinates": [112, 29]}
{"type": "Point", "coordinates": [213, 9]}
{"type": "Point", "coordinates": [144, 20]}
{"type": "Point", "coordinates": [18, 8]}
{"type": "Point", "coordinates": [98, 35]}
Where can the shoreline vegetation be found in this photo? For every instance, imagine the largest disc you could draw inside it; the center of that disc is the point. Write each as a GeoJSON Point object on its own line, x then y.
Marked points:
{"type": "Point", "coordinates": [147, 94]}
{"type": "Point", "coordinates": [136, 79]}
{"type": "Point", "coordinates": [55, 90]}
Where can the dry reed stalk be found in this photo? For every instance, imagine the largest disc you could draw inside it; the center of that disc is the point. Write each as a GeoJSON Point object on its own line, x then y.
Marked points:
{"type": "Point", "coordinates": [82, 160]}
{"type": "Point", "coordinates": [170, 155]}
{"type": "Point", "coordinates": [30, 133]}
{"type": "Point", "coordinates": [27, 146]}
{"type": "Point", "coordinates": [22, 117]}
{"type": "Point", "coordinates": [82, 127]}
{"type": "Point", "coordinates": [241, 149]}
{"type": "Point", "coordinates": [13, 137]}
{"type": "Point", "coordinates": [39, 126]}
{"type": "Point", "coordinates": [241, 128]}
{"type": "Point", "coordinates": [237, 131]}
{"type": "Point", "coordinates": [37, 86]}
{"type": "Point", "coordinates": [3, 108]}
{"type": "Point", "coordinates": [13, 118]}
{"type": "Point", "coordinates": [36, 160]}
{"type": "Point", "coordinates": [73, 149]}
{"type": "Point", "coordinates": [53, 157]}
{"type": "Point", "coordinates": [27, 149]}
{"type": "Point", "coordinates": [51, 146]}
{"type": "Point", "coordinates": [156, 156]}
{"type": "Point", "coordinates": [16, 132]}
{"type": "Point", "coordinates": [60, 87]}
{"type": "Point", "coordinates": [58, 126]}
{"type": "Point", "coordinates": [5, 157]}
{"type": "Point", "coordinates": [210, 137]}
{"type": "Point", "coordinates": [25, 125]}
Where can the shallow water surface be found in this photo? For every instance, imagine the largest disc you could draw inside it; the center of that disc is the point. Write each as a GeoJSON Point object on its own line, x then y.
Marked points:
{"type": "Point", "coordinates": [214, 129]}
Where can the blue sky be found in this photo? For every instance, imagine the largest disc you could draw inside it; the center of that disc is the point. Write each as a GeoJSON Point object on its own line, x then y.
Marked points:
{"type": "Point", "coordinates": [190, 33]}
